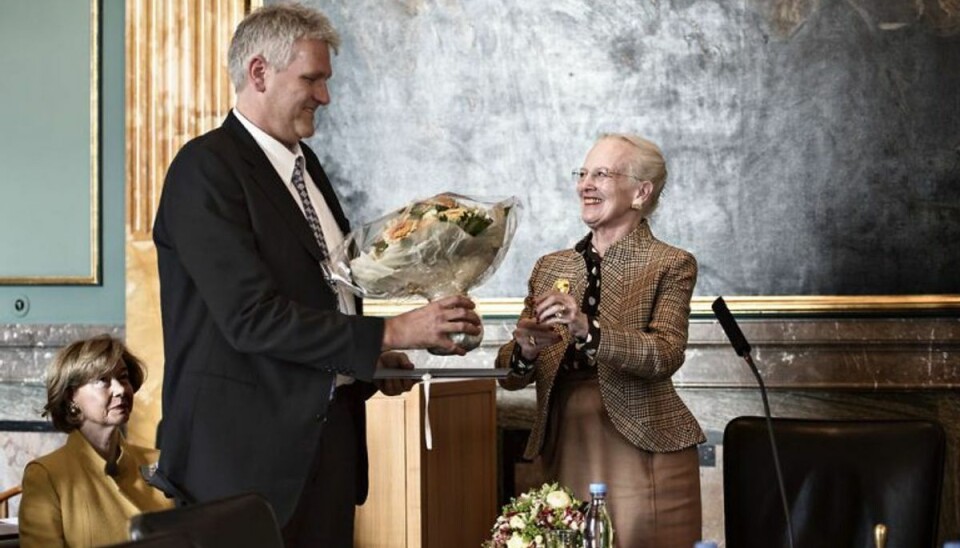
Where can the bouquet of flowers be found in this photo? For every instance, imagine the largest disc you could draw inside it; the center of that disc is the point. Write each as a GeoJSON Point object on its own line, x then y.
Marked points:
{"type": "Point", "coordinates": [530, 519]}
{"type": "Point", "coordinates": [432, 248]}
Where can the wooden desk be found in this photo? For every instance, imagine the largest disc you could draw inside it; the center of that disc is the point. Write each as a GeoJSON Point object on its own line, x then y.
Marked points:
{"type": "Point", "coordinates": [432, 499]}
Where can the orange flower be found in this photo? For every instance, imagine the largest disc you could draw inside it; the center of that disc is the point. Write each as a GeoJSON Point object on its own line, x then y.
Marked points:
{"type": "Point", "coordinates": [399, 230]}
{"type": "Point", "coordinates": [454, 214]}
{"type": "Point", "coordinates": [444, 200]}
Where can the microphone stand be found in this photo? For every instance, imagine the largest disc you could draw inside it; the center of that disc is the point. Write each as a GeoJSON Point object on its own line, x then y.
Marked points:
{"type": "Point", "coordinates": [773, 447]}
{"type": "Point", "coordinates": [742, 348]}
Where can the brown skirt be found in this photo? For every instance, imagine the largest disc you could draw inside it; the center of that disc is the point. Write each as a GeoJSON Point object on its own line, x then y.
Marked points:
{"type": "Point", "coordinates": [653, 498]}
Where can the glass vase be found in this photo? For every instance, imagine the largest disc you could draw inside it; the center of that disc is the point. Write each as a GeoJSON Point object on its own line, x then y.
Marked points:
{"type": "Point", "coordinates": [463, 340]}
{"type": "Point", "coordinates": [563, 538]}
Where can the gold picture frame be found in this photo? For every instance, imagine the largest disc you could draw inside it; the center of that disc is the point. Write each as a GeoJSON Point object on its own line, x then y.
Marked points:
{"type": "Point", "coordinates": [93, 274]}
{"type": "Point", "coordinates": [829, 304]}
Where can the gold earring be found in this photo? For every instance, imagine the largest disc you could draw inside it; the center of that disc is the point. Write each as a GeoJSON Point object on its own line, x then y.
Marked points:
{"type": "Point", "coordinates": [74, 409]}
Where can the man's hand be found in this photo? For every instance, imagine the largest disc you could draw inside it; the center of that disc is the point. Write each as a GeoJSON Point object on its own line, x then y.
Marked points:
{"type": "Point", "coordinates": [394, 360]}
{"type": "Point", "coordinates": [430, 325]}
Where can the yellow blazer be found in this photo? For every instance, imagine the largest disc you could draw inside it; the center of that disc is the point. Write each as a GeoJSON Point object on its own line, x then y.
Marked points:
{"type": "Point", "coordinates": [645, 291]}
{"type": "Point", "coordinates": [69, 500]}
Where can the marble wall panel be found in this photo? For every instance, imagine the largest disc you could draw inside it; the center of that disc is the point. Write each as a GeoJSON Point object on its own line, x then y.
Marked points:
{"type": "Point", "coordinates": [19, 448]}
{"type": "Point", "coordinates": [27, 349]}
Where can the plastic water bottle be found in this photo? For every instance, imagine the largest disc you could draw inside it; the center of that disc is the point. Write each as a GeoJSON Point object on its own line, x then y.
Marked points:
{"type": "Point", "coordinates": [598, 531]}
{"type": "Point", "coordinates": [952, 544]}
{"type": "Point", "coordinates": [705, 544]}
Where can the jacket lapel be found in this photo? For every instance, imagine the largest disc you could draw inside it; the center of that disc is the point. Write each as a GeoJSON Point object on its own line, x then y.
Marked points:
{"type": "Point", "coordinates": [320, 179]}
{"type": "Point", "coordinates": [266, 178]}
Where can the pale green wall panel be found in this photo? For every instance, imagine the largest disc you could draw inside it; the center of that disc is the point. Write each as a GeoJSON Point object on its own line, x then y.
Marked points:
{"type": "Point", "coordinates": [49, 202]}
{"type": "Point", "coordinates": [45, 195]}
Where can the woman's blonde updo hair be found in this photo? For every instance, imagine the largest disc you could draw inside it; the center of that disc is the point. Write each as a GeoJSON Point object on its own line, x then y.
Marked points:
{"type": "Point", "coordinates": [76, 365]}
{"type": "Point", "coordinates": [646, 163]}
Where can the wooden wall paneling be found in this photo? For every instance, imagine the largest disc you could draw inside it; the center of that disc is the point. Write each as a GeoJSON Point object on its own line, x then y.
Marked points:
{"type": "Point", "coordinates": [459, 481]}
{"type": "Point", "coordinates": [177, 88]}
{"type": "Point", "coordinates": [438, 498]}
{"type": "Point", "coordinates": [386, 511]}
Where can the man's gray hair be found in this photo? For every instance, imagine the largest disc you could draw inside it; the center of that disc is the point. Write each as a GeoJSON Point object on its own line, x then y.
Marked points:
{"type": "Point", "coordinates": [270, 31]}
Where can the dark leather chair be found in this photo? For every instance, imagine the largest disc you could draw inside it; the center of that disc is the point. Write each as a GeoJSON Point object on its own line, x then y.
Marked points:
{"type": "Point", "coordinates": [240, 521]}
{"type": "Point", "coordinates": [159, 540]}
{"type": "Point", "coordinates": [841, 478]}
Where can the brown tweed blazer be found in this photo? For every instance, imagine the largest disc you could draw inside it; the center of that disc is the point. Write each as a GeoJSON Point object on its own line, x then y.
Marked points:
{"type": "Point", "coordinates": [645, 293]}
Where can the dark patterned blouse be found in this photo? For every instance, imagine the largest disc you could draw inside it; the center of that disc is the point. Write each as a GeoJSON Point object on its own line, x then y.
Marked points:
{"type": "Point", "coordinates": [582, 353]}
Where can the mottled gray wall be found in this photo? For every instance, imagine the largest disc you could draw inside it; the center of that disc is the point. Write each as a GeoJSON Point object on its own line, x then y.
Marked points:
{"type": "Point", "coordinates": [813, 146]}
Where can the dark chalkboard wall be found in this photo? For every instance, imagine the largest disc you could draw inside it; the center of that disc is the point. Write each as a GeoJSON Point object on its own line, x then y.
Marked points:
{"type": "Point", "coordinates": [813, 147]}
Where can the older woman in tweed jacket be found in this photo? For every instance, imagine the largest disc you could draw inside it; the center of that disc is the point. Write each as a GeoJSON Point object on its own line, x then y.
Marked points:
{"type": "Point", "coordinates": [603, 329]}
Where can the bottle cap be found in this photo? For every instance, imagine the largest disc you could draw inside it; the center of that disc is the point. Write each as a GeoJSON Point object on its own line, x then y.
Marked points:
{"type": "Point", "coordinates": [598, 488]}
{"type": "Point", "coordinates": [705, 544]}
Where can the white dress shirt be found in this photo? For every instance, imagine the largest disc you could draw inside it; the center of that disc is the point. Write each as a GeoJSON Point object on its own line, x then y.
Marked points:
{"type": "Point", "coordinates": [283, 160]}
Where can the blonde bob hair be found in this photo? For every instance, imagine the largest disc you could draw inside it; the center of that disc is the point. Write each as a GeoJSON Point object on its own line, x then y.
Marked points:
{"type": "Point", "coordinates": [79, 363]}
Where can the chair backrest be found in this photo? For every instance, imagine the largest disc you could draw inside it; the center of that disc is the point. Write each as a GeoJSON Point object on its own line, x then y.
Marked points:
{"type": "Point", "coordinates": [5, 497]}
{"type": "Point", "coordinates": [242, 521]}
{"type": "Point", "coordinates": [159, 540]}
{"type": "Point", "coordinates": [841, 478]}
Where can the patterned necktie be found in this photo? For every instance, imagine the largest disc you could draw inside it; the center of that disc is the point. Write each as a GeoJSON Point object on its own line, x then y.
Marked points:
{"type": "Point", "coordinates": [314, 222]}
{"type": "Point", "coordinates": [308, 210]}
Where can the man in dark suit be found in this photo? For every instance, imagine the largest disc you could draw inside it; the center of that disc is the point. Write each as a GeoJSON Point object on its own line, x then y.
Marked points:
{"type": "Point", "coordinates": [256, 337]}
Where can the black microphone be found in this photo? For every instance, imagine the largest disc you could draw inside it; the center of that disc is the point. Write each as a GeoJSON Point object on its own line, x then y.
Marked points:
{"type": "Point", "coordinates": [742, 348]}
{"type": "Point", "coordinates": [730, 327]}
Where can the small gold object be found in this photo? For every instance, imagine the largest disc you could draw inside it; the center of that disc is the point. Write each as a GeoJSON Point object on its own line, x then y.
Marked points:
{"type": "Point", "coordinates": [880, 535]}
{"type": "Point", "coordinates": [562, 285]}
{"type": "Point", "coordinates": [532, 340]}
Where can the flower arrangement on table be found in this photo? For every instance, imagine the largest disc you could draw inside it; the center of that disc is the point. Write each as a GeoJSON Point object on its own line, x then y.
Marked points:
{"type": "Point", "coordinates": [443, 245]}
{"type": "Point", "coordinates": [530, 519]}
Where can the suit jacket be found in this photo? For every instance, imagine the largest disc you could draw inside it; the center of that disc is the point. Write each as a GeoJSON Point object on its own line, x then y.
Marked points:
{"type": "Point", "coordinates": [645, 293]}
{"type": "Point", "coordinates": [252, 338]}
{"type": "Point", "coordinates": [69, 500]}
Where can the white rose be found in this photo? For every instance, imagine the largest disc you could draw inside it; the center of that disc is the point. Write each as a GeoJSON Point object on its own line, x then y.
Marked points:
{"type": "Point", "coordinates": [558, 499]}
{"type": "Point", "coordinates": [516, 522]}
{"type": "Point", "coordinates": [516, 541]}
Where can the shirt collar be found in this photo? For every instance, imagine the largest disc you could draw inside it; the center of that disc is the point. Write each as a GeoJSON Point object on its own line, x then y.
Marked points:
{"type": "Point", "coordinates": [281, 158]}
{"type": "Point", "coordinates": [87, 454]}
{"type": "Point", "coordinates": [631, 241]}
{"type": "Point", "coordinates": [585, 247]}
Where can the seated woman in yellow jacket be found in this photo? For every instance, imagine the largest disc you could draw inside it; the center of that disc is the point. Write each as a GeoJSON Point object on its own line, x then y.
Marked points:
{"type": "Point", "coordinates": [85, 493]}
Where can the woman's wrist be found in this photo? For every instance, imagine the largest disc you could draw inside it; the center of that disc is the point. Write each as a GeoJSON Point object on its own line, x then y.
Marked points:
{"type": "Point", "coordinates": [520, 364]}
